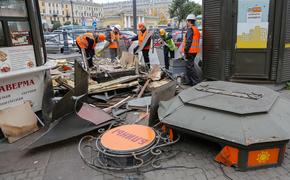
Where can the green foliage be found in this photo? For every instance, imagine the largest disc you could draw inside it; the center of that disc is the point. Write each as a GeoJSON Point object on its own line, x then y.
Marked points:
{"type": "Point", "coordinates": [288, 85]}
{"type": "Point", "coordinates": [181, 8]}
{"type": "Point", "coordinates": [56, 25]}
{"type": "Point", "coordinates": [67, 23]}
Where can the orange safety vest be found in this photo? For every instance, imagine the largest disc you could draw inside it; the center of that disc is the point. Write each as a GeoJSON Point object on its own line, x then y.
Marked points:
{"type": "Point", "coordinates": [141, 37]}
{"type": "Point", "coordinates": [114, 38]}
{"type": "Point", "coordinates": [194, 48]}
{"type": "Point", "coordinates": [82, 40]}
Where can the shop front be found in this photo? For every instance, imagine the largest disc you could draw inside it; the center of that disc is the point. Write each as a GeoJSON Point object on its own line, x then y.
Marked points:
{"type": "Point", "coordinates": [22, 54]}
{"type": "Point", "coordinates": [247, 40]}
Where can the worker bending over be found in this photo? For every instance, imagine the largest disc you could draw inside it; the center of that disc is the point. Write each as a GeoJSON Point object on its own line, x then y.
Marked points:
{"type": "Point", "coordinates": [88, 42]}
{"type": "Point", "coordinates": [114, 37]}
{"type": "Point", "coordinates": [168, 46]}
{"type": "Point", "coordinates": [141, 38]}
{"type": "Point", "coordinates": [191, 48]}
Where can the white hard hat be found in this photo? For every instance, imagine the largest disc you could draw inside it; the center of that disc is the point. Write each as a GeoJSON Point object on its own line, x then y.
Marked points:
{"type": "Point", "coordinates": [191, 17]}
{"type": "Point", "coordinates": [117, 27]}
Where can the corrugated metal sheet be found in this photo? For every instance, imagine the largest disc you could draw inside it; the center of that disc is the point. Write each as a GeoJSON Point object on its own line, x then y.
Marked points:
{"type": "Point", "coordinates": [285, 68]}
{"type": "Point", "coordinates": [274, 66]}
{"type": "Point", "coordinates": [212, 38]}
{"type": "Point", "coordinates": [228, 59]}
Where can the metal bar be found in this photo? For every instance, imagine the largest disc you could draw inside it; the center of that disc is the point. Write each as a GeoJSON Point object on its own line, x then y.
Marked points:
{"type": "Point", "coordinates": [72, 12]}
{"type": "Point", "coordinates": [135, 16]}
{"type": "Point", "coordinates": [34, 28]}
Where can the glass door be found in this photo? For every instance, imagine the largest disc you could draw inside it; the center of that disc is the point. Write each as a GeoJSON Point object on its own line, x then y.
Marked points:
{"type": "Point", "coordinates": [254, 29]}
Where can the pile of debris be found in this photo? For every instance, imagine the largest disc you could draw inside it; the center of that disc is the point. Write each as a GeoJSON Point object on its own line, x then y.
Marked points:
{"type": "Point", "coordinates": [109, 93]}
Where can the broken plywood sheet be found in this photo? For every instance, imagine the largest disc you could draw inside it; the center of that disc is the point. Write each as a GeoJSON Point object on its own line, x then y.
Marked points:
{"type": "Point", "coordinates": [17, 122]}
{"type": "Point", "coordinates": [128, 60]}
{"type": "Point", "coordinates": [156, 84]}
{"type": "Point", "coordinates": [155, 73]}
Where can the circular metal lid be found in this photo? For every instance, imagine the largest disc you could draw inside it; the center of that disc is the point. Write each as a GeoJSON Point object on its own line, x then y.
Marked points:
{"type": "Point", "coordinates": [128, 138]}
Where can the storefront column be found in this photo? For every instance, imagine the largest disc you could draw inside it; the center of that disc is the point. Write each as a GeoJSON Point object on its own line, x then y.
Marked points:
{"type": "Point", "coordinates": [35, 30]}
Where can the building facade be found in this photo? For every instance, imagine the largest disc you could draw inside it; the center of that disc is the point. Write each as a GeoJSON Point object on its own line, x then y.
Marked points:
{"type": "Point", "coordinates": [125, 19]}
{"type": "Point", "coordinates": [81, 12]}
{"type": "Point", "coordinates": [159, 8]}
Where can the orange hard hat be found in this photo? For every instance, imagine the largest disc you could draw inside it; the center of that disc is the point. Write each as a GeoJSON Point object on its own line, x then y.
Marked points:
{"type": "Point", "coordinates": [141, 25]}
{"type": "Point", "coordinates": [102, 37]}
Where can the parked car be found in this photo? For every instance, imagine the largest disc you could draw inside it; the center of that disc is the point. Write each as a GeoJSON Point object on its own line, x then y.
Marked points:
{"type": "Point", "coordinates": [55, 43]}
{"type": "Point", "coordinates": [177, 37]}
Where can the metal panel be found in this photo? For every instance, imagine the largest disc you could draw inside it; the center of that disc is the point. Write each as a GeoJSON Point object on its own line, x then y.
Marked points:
{"type": "Point", "coordinates": [219, 126]}
{"type": "Point", "coordinates": [212, 38]}
{"type": "Point", "coordinates": [274, 66]}
{"type": "Point", "coordinates": [284, 65]}
{"type": "Point", "coordinates": [163, 93]}
{"type": "Point", "coordinates": [240, 103]}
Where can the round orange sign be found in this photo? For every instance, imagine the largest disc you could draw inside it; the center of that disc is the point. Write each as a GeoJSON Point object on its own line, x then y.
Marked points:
{"type": "Point", "coordinates": [128, 137]}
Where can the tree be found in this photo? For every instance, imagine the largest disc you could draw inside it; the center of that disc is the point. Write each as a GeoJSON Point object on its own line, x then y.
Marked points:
{"type": "Point", "coordinates": [67, 23]}
{"type": "Point", "coordinates": [181, 8]}
{"type": "Point", "coordinates": [56, 25]}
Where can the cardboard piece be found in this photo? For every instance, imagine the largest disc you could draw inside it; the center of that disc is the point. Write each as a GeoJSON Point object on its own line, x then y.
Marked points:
{"type": "Point", "coordinates": [17, 122]}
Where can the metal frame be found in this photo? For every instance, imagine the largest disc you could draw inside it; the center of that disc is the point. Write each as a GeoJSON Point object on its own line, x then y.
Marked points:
{"type": "Point", "coordinates": [267, 51]}
{"type": "Point", "coordinates": [219, 54]}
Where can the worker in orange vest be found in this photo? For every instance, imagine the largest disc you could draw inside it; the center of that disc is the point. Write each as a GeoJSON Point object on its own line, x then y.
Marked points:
{"type": "Point", "coordinates": [141, 37]}
{"type": "Point", "coordinates": [88, 42]}
{"type": "Point", "coordinates": [114, 37]}
{"type": "Point", "coordinates": [190, 48]}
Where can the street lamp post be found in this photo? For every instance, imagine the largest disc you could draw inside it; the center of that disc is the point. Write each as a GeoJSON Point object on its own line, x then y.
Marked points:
{"type": "Point", "coordinates": [72, 12]}
{"type": "Point", "coordinates": [135, 16]}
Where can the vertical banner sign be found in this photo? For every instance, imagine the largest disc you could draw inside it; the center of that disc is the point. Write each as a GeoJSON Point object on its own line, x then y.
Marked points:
{"type": "Point", "coordinates": [19, 89]}
{"type": "Point", "coordinates": [253, 23]}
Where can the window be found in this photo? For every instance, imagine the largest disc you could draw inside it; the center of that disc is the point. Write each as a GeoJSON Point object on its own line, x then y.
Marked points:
{"type": "Point", "coordinates": [20, 33]}
{"type": "Point", "coordinates": [62, 12]}
{"type": "Point", "coordinates": [2, 39]}
{"type": "Point", "coordinates": [63, 19]}
{"type": "Point", "coordinates": [15, 8]}
{"type": "Point", "coordinates": [66, 6]}
{"type": "Point", "coordinates": [43, 11]}
{"type": "Point", "coordinates": [43, 3]}
{"type": "Point", "coordinates": [49, 4]}
{"type": "Point", "coordinates": [49, 11]}
{"type": "Point", "coordinates": [56, 5]}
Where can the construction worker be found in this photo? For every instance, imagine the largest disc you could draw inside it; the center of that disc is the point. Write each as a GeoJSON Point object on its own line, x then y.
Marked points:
{"type": "Point", "coordinates": [141, 37]}
{"type": "Point", "coordinates": [190, 48]}
{"type": "Point", "coordinates": [114, 37]}
{"type": "Point", "coordinates": [168, 46]}
{"type": "Point", "coordinates": [88, 42]}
